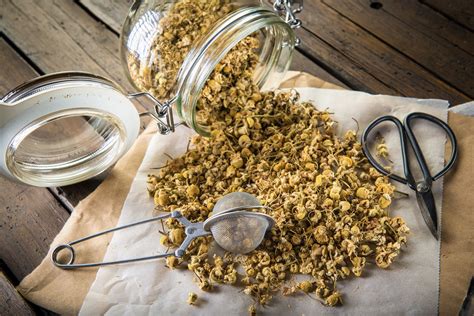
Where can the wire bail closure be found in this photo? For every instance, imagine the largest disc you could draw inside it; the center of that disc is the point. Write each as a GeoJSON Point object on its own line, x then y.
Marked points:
{"type": "Point", "coordinates": [288, 9]}
{"type": "Point", "coordinates": [162, 113]}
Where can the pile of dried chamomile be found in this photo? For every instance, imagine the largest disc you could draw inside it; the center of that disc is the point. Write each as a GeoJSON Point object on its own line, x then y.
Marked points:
{"type": "Point", "coordinates": [329, 204]}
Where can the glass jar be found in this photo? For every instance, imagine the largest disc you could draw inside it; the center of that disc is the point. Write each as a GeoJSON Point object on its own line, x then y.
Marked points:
{"type": "Point", "coordinates": [66, 127]}
{"type": "Point", "coordinates": [171, 47]}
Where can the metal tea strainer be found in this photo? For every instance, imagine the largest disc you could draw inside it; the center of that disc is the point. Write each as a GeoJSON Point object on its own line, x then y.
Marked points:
{"type": "Point", "coordinates": [232, 225]}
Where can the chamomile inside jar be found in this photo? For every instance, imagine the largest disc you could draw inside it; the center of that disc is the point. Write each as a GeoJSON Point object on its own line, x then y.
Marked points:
{"type": "Point", "coordinates": [232, 82]}
{"type": "Point", "coordinates": [202, 55]}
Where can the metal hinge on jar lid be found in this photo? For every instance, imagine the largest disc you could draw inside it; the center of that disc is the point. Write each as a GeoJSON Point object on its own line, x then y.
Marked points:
{"type": "Point", "coordinates": [288, 9]}
{"type": "Point", "coordinates": [162, 112]}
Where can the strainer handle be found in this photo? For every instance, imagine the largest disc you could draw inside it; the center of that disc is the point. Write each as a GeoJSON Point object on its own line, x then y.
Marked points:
{"type": "Point", "coordinates": [69, 246]}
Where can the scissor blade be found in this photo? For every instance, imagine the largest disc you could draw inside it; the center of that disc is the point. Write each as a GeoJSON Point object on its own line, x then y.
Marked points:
{"type": "Point", "coordinates": [428, 210]}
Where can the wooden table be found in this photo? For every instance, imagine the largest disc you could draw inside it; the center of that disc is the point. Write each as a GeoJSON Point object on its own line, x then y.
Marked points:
{"type": "Point", "coordinates": [417, 48]}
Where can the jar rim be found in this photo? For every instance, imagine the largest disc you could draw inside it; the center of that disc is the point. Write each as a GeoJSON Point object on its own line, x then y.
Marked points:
{"type": "Point", "coordinates": [74, 169]}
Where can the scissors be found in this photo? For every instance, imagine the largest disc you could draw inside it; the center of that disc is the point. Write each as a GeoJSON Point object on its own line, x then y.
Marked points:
{"type": "Point", "coordinates": [424, 195]}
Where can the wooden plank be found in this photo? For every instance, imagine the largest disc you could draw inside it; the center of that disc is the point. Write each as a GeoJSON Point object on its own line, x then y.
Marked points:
{"type": "Point", "coordinates": [461, 11]}
{"type": "Point", "coordinates": [60, 35]}
{"type": "Point", "coordinates": [11, 302]}
{"type": "Point", "coordinates": [114, 12]}
{"type": "Point", "coordinates": [71, 195]}
{"type": "Point", "coordinates": [370, 54]}
{"type": "Point", "coordinates": [398, 24]}
{"type": "Point", "coordinates": [14, 71]}
{"type": "Point", "coordinates": [111, 12]}
{"type": "Point", "coordinates": [30, 219]}
{"type": "Point", "coordinates": [302, 63]}
{"type": "Point", "coordinates": [431, 23]}
{"type": "Point", "coordinates": [354, 75]}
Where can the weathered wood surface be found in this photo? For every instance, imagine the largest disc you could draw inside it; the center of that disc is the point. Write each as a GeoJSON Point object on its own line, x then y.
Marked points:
{"type": "Point", "coordinates": [413, 48]}
{"type": "Point", "coordinates": [59, 35]}
{"type": "Point", "coordinates": [11, 303]}
{"type": "Point", "coordinates": [460, 11]}
{"type": "Point", "coordinates": [400, 26]}
{"type": "Point", "coordinates": [14, 69]}
{"type": "Point", "coordinates": [29, 217]}
{"type": "Point", "coordinates": [415, 16]}
{"type": "Point", "coordinates": [111, 12]}
{"type": "Point", "coordinates": [302, 63]}
{"type": "Point", "coordinates": [370, 55]}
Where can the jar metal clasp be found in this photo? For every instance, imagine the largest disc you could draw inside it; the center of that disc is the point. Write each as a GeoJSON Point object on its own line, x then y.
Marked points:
{"type": "Point", "coordinates": [288, 9]}
{"type": "Point", "coordinates": [162, 112]}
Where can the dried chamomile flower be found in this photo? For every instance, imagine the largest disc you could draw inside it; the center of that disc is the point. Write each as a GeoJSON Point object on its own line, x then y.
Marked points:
{"type": "Point", "coordinates": [362, 193]}
{"type": "Point", "coordinates": [382, 150]}
{"type": "Point", "coordinates": [344, 206]}
{"type": "Point", "coordinates": [244, 141]}
{"type": "Point", "coordinates": [192, 191]}
{"type": "Point", "coordinates": [237, 161]}
{"type": "Point", "coordinates": [205, 285]}
{"type": "Point", "coordinates": [172, 262]}
{"type": "Point", "coordinates": [305, 286]}
{"type": "Point", "coordinates": [346, 161]}
{"type": "Point", "coordinates": [176, 236]}
{"type": "Point", "coordinates": [252, 310]}
{"type": "Point", "coordinates": [192, 298]}
{"type": "Point", "coordinates": [385, 200]}
{"type": "Point", "coordinates": [165, 240]}
{"type": "Point", "coordinates": [334, 299]}
{"type": "Point", "coordinates": [161, 198]}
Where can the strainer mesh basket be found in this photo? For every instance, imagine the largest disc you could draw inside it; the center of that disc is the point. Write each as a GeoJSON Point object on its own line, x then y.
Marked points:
{"type": "Point", "coordinates": [239, 233]}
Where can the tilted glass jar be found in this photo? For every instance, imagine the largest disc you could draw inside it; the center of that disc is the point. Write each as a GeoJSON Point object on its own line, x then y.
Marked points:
{"type": "Point", "coordinates": [178, 75]}
{"type": "Point", "coordinates": [66, 127]}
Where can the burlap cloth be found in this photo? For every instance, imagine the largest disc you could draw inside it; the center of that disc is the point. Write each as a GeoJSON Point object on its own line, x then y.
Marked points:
{"type": "Point", "coordinates": [64, 291]}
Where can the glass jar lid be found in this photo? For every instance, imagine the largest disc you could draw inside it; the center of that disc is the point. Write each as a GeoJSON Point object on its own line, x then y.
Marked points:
{"type": "Point", "coordinates": [64, 128]}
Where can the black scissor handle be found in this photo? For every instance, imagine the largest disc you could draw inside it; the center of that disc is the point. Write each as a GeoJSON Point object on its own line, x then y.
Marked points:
{"type": "Point", "coordinates": [403, 144]}
{"type": "Point", "coordinates": [418, 153]}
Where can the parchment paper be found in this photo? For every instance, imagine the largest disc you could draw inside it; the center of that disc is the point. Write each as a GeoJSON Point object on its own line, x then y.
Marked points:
{"type": "Point", "coordinates": [410, 286]}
